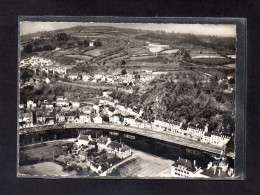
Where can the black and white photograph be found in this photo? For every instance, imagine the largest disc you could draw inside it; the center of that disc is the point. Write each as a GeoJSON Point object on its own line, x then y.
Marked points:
{"type": "Point", "coordinates": [126, 100]}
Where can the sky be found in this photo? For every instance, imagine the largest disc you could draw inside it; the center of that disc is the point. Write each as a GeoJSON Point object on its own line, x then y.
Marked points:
{"type": "Point", "coordinates": [225, 30]}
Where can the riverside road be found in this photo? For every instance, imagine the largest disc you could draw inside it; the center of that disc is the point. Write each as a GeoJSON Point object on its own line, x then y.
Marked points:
{"type": "Point", "coordinates": [159, 135]}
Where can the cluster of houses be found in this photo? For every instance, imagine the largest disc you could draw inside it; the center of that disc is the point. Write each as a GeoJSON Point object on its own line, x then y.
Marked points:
{"type": "Point", "coordinates": [186, 168]}
{"type": "Point", "coordinates": [116, 150]}
{"type": "Point", "coordinates": [196, 132]}
{"type": "Point", "coordinates": [113, 79]}
{"type": "Point", "coordinates": [110, 111]}
{"type": "Point", "coordinates": [36, 62]}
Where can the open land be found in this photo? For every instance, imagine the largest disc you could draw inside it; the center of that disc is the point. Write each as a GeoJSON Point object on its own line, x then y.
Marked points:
{"type": "Point", "coordinates": [142, 164]}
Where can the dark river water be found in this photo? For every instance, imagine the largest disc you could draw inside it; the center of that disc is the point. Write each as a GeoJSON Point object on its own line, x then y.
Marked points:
{"type": "Point", "coordinates": [138, 142]}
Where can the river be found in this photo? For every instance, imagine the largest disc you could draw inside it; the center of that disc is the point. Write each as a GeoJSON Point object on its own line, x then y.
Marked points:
{"type": "Point", "coordinates": [148, 145]}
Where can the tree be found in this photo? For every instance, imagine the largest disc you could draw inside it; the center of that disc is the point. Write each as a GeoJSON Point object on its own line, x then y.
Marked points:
{"type": "Point", "coordinates": [105, 118]}
{"type": "Point", "coordinates": [231, 81]}
{"type": "Point", "coordinates": [86, 43]}
{"type": "Point", "coordinates": [28, 48]}
{"type": "Point", "coordinates": [26, 74]}
{"type": "Point", "coordinates": [56, 75]}
{"type": "Point", "coordinates": [97, 44]}
{"type": "Point", "coordinates": [44, 73]}
{"type": "Point", "coordinates": [123, 62]}
{"type": "Point", "coordinates": [123, 72]}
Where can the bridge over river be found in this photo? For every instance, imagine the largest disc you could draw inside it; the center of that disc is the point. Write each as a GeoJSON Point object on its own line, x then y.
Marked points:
{"type": "Point", "coordinates": [159, 135]}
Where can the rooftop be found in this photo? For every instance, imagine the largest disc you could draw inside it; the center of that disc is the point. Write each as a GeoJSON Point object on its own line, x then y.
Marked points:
{"type": "Point", "coordinates": [185, 163]}
{"type": "Point", "coordinates": [114, 144]}
{"type": "Point", "coordinates": [215, 172]}
{"type": "Point", "coordinates": [83, 137]}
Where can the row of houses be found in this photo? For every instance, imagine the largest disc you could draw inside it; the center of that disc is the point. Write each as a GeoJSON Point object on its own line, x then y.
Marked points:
{"type": "Point", "coordinates": [120, 115]}
{"type": "Point", "coordinates": [36, 61]}
{"type": "Point", "coordinates": [186, 168]}
{"type": "Point", "coordinates": [112, 79]}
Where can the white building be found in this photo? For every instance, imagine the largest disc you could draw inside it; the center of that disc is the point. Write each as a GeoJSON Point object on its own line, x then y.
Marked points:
{"type": "Point", "coordinates": [83, 139]}
{"type": "Point", "coordinates": [115, 119]}
{"type": "Point", "coordinates": [103, 142]}
{"type": "Point", "coordinates": [129, 120]}
{"type": "Point", "coordinates": [219, 139]}
{"type": "Point", "coordinates": [84, 118]}
{"type": "Point", "coordinates": [75, 104]}
{"type": "Point", "coordinates": [73, 77]}
{"type": "Point", "coordinates": [86, 77]}
{"type": "Point", "coordinates": [185, 168]}
{"type": "Point", "coordinates": [98, 120]}
{"type": "Point", "coordinates": [31, 104]}
{"type": "Point", "coordinates": [122, 151]}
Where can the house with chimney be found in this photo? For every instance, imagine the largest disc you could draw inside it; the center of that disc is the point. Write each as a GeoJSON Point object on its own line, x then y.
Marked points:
{"type": "Point", "coordinates": [102, 142]}
{"type": "Point", "coordinates": [40, 118]}
{"type": "Point", "coordinates": [110, 111]}
{"type": "Point", "coordinates": [218, 169]}
{"type": "Point", "coordinates": [216, 138]}
{"type": "Point", "coordinates": [70, 117]}
{"type": "Point", "coordinates": [86, 77]}
{"type": "Point", "coordinates": [49, 118]}
{"type": "Point", "coordinates": [115, 119]}
{"type": "Point", "coordinates": [83, 140]}
{"type": "Point", "coordinates": [73, 77]}
{"type": "Point", "coordinates": [197, 131]}
{"type": "Point", "coordinates": [139, 123]}
{"type": "Point", "coordinates": [98, 119]}
{"type": "Point", "coordinates": [129, 120]}
{"type": "Point", "coordinates": [60, 101]}
{"type": "Point", "coordinates": [119, 149]}
{"type": "Point", "coordinates": [75, 104]}
{"type": "Point", "coordinates": [185, 168]}
{"type": "Point", "coordinates": [60, 117]}
{"type": "Point", "coordinates": [84, 118]}
{"type": "Point", "coordinates": [26, 120]}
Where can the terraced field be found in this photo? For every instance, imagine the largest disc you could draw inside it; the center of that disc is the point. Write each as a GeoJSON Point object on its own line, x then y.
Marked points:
{"type": "Point", "coordinates": [82, 57]}
{"type": "Point", "coordinates": [94, 52]}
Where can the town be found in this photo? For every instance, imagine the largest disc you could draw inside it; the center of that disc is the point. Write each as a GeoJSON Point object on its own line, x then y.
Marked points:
{"type": "Point", "coordinates": [133, 83]}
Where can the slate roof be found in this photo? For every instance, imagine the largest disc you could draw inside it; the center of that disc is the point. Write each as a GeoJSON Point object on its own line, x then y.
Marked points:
{"type": "Point", "coordinates": [102, 140]}
{"type": "Point", "coordinates": [218, 173]}
{"type": "Point", "coordinates": [111, 109]}
{"type": "Point", "coordinates": [83, 137]}
{"type": "Point", "coordinates": [114, 145]}
{"type": "Point", "coordinates": [185, 163]}
{"type": "Point", "coordinates": [125, 148]}
{"type": "Point", "coordinates": [138, 120]}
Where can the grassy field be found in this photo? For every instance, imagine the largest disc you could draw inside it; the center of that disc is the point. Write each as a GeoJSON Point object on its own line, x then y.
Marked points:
{"type": "Point", "coordinates": [44, 153]}
{"type": "Point", "coordinates": [212, 61]}
{"type": "Point", "coordinates": [82, 57]}
{"type": "Point", "coordinates": [94, 52]}
{"type": "Point", "coordinates": [44, 169]}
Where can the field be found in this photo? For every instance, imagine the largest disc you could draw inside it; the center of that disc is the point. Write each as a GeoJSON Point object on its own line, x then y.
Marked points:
{"type": "Point", "coordinates": [142, 57]}
{"type": "Point", "coordinates": [212, 61]}
{"type": "Point", "coordinates": [82, 57]}
{"type": "Point", "coordinates": [170, 51]}
{"type": "Point", "coordinates": [142, 164]}
{"type": "Point", "coordinates": [43, 153]}
{"type": "Point", "coordinates": [44, 169]}
{"type": "Point", "coordinates": [94, 52]}
{"type": "Point", "coordinates": [155, 48]}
